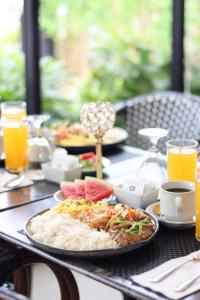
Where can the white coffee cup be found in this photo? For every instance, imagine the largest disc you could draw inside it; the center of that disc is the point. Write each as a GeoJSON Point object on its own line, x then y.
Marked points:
{"type": "Point", "coordinates": [176, 204]}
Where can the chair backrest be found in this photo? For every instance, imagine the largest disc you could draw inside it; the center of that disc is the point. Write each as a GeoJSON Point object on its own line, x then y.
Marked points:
{"type": "Point", "coordinates": [177, 112]}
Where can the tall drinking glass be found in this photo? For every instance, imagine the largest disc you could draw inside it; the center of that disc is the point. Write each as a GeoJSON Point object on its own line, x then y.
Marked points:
{"type": "Point", "coordinates": [197, 204]}
{"type": "Point", "coordinates": [13, 110]}
{"type": "Point", "coordinates": [40, 149]}
{"type": "Point", "coordinates": [15, 136]}
{"type": "Point", "coordinates": [181, 159]}
{"type": "Point", "coordinates": [15, 141]}
{"type": "Point", "coordinates": [154, 164]}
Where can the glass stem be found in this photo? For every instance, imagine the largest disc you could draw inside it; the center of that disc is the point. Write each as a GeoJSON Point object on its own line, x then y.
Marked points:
{"type": "Point", "coordinates": [153, 144]}
{"type": "Point", "coordinates": [99, 157]}
{"type": "Point", "coordinates": [38, 131]}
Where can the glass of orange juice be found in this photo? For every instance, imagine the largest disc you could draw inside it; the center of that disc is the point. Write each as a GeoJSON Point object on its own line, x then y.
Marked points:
{"type": "Point", "coordinates": [15, 141]}
{"type": "Point", "coordinates": [197, 204]}
{"type": "Point", "coordinates": [181, 159]}
{"type": "Point", "coordinates": [15, 135]}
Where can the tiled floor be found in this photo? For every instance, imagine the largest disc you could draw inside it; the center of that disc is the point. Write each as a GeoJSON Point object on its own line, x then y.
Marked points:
{"type": "Point", "coordinates": [45, 286]}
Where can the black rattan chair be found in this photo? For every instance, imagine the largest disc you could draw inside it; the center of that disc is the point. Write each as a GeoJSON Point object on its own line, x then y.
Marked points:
{"type": "Point", "coordinates": [177, 112]}
{"type": "Point", "coordinates": [16, 262]}
{"type": "Point", "coordinates": [9, 261]}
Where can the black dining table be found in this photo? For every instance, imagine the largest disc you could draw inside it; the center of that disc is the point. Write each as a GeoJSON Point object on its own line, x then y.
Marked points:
{"type": "Point", "coordinates": [18, 205]}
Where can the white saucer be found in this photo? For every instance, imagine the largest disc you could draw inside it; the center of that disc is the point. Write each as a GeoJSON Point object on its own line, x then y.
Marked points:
{"type": "Point", "coordinates": [169, 224]}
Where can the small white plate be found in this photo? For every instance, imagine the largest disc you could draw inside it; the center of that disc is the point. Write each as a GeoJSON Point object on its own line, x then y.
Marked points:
{"type": "Point", "coordinates": [58, 196]}
{"type": "Point", "coordinates": [105, 163]}
{"type": "Point", "coordinates": [170, 224]}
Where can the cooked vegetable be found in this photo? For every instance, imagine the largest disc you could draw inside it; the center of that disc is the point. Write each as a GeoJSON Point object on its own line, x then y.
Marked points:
{"type": "Point", "coordinates": [126, 225]}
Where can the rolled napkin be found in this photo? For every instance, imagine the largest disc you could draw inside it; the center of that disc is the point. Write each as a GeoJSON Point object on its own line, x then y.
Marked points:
{"type": "Point", "coordinates": [168, 285]}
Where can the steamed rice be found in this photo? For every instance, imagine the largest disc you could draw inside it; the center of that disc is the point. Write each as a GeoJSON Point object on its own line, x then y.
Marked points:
{"type": "Point", "coordinates": [64, 232]}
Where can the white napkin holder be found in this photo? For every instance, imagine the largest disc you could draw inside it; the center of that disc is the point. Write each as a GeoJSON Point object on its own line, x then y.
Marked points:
{"type": "Point", "coordinates": [63, 167]}
{"type": "Point", "coordinates": [136, 192]}
{"type": "Point", "coordinates": [58, 175]}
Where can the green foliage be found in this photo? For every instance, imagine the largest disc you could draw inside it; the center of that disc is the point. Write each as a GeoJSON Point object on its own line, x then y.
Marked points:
{"type": "Point", "coordinates": [129, 44]}
{"type": "Point", "coordinates": [118, 18]}
{"type": "Point", "coordinates": [12, 84]}
{"type": "Point", "coordinates": [117, 75]}
{"type": "Point", "coordinates": [127, 40]}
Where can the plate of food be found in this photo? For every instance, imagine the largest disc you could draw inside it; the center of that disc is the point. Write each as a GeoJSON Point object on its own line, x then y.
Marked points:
{"type": "Point", "coordinates": [91, 188]}
{"type": "Point", "coordinates": [76, 139]}
{"type": "Point", "coordinates": [90, 229]}
{"type": "Point", "coordinates": [88, 162]}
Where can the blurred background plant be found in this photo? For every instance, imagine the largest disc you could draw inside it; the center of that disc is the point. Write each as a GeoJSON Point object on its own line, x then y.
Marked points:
{"type": "Point", "coordinates": [12, 85]}
{"type": "Point", "coordinates": [118, 75]}
{"type": "Point", "coordinates": [110, 55]}
{"type": "Point", "coordinates": [102, 50]}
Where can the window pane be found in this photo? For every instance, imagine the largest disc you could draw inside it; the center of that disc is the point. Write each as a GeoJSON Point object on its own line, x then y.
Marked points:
{"type": "Point", "coordinates": [11, 56]}
{"type": "Point", "coordinates": [107, 50]}
{"type": "Point", "coordinates": [192, 41]}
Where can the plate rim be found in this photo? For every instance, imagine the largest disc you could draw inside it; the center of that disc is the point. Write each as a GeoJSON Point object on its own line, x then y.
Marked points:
{"type": "Point", "coordinates": [91, 253]}
{"type": "Point", "coordinates": [56, 197]}
{"type": "Point", "coordinates": [121, 139]}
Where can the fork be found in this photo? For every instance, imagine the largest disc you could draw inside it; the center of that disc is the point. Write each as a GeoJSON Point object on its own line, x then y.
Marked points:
{"type": "Point", "coordinates": [163, 275]}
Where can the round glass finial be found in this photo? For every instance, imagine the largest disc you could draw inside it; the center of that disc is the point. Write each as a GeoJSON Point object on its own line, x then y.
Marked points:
{"type": "Point", "coordinates": [98, 117]}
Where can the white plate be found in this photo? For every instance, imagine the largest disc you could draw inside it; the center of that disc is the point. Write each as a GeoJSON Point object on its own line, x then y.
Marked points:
{"type": "Point", "coordinates": [169, 224]}
{"type": "Point", "coordinates": [113, 137]}
{"type": "Point", "coordinates": [58, 196]}
{"type": "Point", "coordinates": [105, 163]}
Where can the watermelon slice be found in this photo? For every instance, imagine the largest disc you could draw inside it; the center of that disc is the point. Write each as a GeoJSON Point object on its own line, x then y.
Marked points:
{"type": "Point", "coordinates": [80, 189]}
{"type": "Point", "coordinates": [97, 189]}
{"type": "Point", "coordinates": [69, 190]}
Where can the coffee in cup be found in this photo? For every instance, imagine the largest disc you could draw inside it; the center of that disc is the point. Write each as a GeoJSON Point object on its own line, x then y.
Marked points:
{"type": "Point", "coordinates": [177, 201]}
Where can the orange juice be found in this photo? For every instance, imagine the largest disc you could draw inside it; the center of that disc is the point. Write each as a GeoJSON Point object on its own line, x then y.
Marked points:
{"type": "Point", "coordinates": [197, 202]}
{"type": "Point", "coordinates": [181, 164]}
{"type": "Point", "coordinates": [15, 139]}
